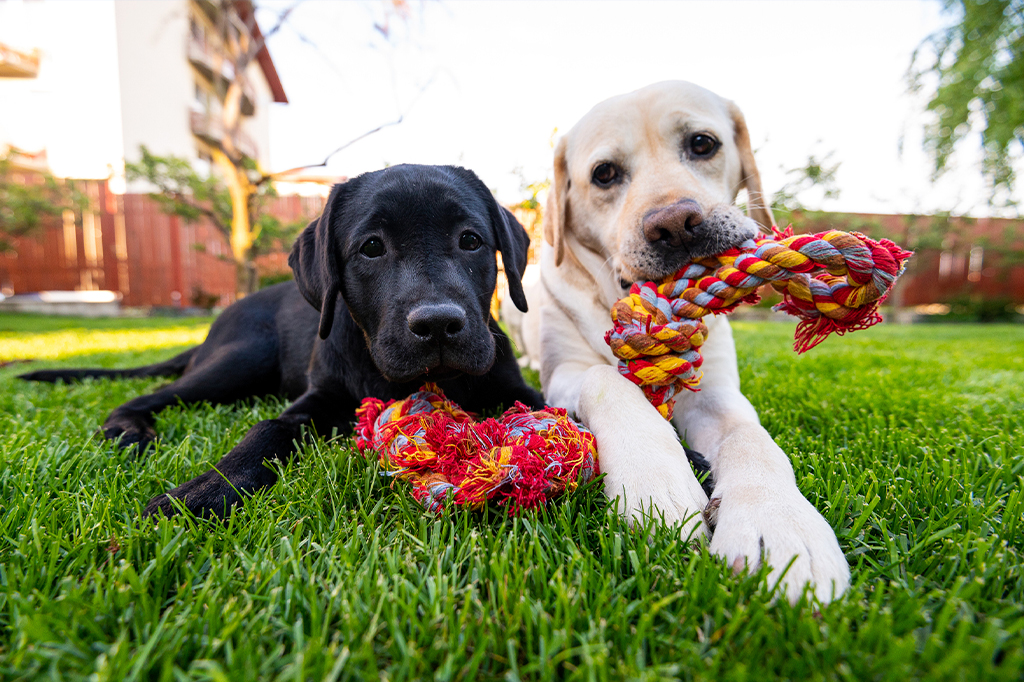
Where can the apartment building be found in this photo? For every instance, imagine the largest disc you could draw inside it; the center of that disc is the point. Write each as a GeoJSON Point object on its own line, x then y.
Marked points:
{"type": "Point", "coordinates": [82, 86]}
{"type": "Point", "coordinates": [90, 81]}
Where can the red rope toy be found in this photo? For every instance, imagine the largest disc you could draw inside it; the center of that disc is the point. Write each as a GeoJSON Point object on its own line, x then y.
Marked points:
{"type": "Point", "coordinates": [520, 459]}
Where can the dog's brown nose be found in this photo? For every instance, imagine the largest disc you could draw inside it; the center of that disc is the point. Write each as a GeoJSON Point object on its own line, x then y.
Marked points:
{"type": "Point", "coordinates": [673, 225]}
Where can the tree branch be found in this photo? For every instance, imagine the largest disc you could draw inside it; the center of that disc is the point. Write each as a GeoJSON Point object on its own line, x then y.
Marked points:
{"type": "Point", "coordinates": [348, 144]}
{"type": "Point", "coordinates": [382, 126]}
{"type": "Point", "coordinates": [185, 200]}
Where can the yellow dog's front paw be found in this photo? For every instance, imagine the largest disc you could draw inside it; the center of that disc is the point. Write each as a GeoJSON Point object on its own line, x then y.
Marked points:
{"type": "Point", "coordinates": [645, 486]}
{"type": "Point", "coordinates": [753, 524]}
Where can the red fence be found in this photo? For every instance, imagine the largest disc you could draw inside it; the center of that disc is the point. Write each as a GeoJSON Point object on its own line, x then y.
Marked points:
{"type": "Point", "coordinates": [127, 244]}
{"type": "Point", "coordinates": [979, 258]}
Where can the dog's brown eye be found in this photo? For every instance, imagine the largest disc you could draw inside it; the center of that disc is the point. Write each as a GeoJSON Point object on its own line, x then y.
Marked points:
{"type": "Point", "coordinates": [703, 145]}
{"type": "Point", "coordinates": [373, 248]}
{"type": "Point", "coordinates": [605, 174]}
{"type": "Point", "coordinates": [470, 242]}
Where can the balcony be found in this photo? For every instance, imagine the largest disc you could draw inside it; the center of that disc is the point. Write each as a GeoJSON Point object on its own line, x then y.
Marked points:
{"type": "Point", "coordinates": [218, 70]}
{"type": "Point", "coordinates": [18, 64]}
{"type": "Point", "coordinates": [210, 129]}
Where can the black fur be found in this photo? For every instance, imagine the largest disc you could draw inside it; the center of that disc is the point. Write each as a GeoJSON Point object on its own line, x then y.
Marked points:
{"type": "Point", "coordinates": [348, 327]}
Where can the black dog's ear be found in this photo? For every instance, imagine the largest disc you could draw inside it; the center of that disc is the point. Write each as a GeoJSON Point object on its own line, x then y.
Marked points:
{"type": "Point", "coordinates": [514, 243]}
{"type": "Point", "coordinates": [513, 240]}
{"type": "Point", "coordinates": [314, 260]}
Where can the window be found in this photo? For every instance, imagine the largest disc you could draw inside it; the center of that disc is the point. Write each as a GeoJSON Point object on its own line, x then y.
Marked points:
{"type": "Point", "coordinates": [201, 100]}
{"type": "Point", "coordinates": [196, 29]}
{"type": "Point", "coordinates": [975, 263]}
{"type": "Point", "coordinates": [946, 264]}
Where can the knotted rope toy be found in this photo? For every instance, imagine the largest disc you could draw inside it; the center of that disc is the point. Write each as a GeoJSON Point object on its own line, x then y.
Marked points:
{"type": "Point", "coordinates": [520, 459]}
{"type": "Point", "coordinates": [833, 281]}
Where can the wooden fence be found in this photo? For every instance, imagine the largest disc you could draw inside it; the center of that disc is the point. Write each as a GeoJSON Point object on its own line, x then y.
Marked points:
{"type": "Point", "coordinates": [126, 243]}
{"type": "Point", "coordinates": [974, 258]}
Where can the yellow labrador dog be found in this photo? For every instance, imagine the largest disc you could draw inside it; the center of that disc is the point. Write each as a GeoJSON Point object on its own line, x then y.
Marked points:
{"type": "Point", "coordinates": [644, 183]}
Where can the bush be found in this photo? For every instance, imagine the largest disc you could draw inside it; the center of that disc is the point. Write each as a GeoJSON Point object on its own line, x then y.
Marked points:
{"type": "Point", "coordinates": [967, 308]}
{"type": "Point", "coordinates": [275, 278]}
{"type": "Point", "coordinates": [204, 299]}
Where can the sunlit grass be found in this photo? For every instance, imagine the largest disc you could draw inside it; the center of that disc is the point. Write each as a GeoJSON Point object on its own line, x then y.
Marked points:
{"type": "Point", "coordinates": [31, 337]}
{"type": "Point", "coordinates": [909, 439]}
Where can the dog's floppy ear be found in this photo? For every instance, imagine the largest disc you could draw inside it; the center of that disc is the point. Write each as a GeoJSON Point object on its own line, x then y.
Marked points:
{"type": "Point", "coordinates": [513, 240]}
{"type": "Point", "coordinates": [757, 207]}
{"type": "Point", "coordinates": [556, 211]}
{"type": "Point", "coordinates": [514, 244]}
{"type": "Point", "coordinates": [314, 260]}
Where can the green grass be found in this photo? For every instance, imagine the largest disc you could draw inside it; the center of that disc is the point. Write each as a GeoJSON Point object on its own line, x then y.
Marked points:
{"type": "Point", "coordinates": [908, 439]}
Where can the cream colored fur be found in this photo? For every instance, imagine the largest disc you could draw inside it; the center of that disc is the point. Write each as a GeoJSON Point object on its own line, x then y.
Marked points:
{"type": "Point", "coordinates": [594, 240]}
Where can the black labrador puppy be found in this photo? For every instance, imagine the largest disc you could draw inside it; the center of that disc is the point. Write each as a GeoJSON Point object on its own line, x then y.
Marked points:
{"type": "Point", "coordinates": [393, 285]}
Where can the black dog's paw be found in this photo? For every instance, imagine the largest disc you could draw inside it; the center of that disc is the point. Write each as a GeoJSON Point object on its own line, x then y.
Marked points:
{"type": "Point", "coordinates": [701, 467]}
{"type": "Point", "coordinates": [208, 496]}
{"type": "Point", "coordinates": [129, 433]}
{"type": "Point", "coordinates": [159, 506]}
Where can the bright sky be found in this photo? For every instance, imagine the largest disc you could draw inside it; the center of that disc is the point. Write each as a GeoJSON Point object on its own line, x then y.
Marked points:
{"type": "Point", "coordinates": [811, 77]}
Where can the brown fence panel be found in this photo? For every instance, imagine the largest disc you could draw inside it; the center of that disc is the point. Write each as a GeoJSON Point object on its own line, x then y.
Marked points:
{"type": "Point", "coordinates": [147, 236]}
{"type": "Point", "coordinates": [977, 257]}
{"type": "Point", "coordinates": [127, 244]}
{"type": "Point", "coordinates": [208, 269]}
{"type": "Point", "coordinates": [61, 255]}
{"type": "Point", "coordinates": [172, 262]}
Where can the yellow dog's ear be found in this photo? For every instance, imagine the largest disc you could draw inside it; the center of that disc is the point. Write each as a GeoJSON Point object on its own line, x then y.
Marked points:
{"type": "Point", "coordinates": [557, 209]}
{"type": "Point", "coordinates": [757, 207]}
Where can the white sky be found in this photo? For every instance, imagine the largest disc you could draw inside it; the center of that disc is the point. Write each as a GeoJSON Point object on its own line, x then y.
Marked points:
{"type": "Point", "coordinates": [811, 77]}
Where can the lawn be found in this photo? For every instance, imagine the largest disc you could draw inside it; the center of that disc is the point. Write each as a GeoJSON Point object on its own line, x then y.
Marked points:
{"type": "Point", "coordinates": [908, 439]}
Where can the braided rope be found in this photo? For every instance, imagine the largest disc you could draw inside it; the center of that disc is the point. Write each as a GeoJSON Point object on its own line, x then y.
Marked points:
{"type": "Point", "coordinates": [520, 460]}
{"type": "Point", "coordinates": [834, 281]}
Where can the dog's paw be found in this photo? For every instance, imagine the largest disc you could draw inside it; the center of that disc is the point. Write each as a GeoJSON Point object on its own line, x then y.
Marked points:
{"type": "Point", "coordinates": [207, 496]}
{"type": "Point", "coordinates": [128, 432]}
{"type": "Point", "coordinates": [659, 487]}
{"type": "Point", "coordinates": [125, 439]}
{"type": "Point", "coordinates": [753, 524]}
{"type": "Point", "coordinates": [645, 466]}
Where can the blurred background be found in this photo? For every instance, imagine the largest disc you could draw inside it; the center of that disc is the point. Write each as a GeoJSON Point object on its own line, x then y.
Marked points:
{"type": "Point", "coordinates": [162, 155]}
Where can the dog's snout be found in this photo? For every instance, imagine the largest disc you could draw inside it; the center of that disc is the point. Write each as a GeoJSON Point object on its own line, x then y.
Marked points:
{"type": "Point", "coordinates": [673, 225]}
{"type": "Point", "coordinates": [437, 321]}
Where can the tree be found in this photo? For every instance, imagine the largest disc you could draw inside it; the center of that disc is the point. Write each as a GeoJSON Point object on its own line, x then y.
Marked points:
{"type": "Point", "coordinates": [26, 197]}
{"type": "Point", "coordinates": [183, 191]}
{"type": "Point", "coordinates": [974, 69]}
{"type": "Point", "coordinates": [816, 174]}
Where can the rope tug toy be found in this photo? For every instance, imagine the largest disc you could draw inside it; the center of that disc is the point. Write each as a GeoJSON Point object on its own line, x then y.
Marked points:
{"type": "Point", "coordinates": [834, 281]}
{"type": "Point", "coordinates": [520, 459]}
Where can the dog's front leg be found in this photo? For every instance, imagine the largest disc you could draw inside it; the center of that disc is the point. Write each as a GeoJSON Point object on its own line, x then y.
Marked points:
{"type": "Point", "coordinates": [246, 469]}
{"type": "Point", "coordinates": [645, 467]}
{"type": "Point", "coordinates": [761, 514]}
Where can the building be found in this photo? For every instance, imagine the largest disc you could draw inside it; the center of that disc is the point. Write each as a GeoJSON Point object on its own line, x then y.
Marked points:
{"type": "Point", "coordinates": [84, 84]}
{"type": "Point", "coordinates": [90, 81]}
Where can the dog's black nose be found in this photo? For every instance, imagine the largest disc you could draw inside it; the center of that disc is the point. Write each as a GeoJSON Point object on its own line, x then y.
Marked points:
{"type": "Point", "coordinates": [673, 225]}
{"type": "Point", "coordinates": [436, 321]}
